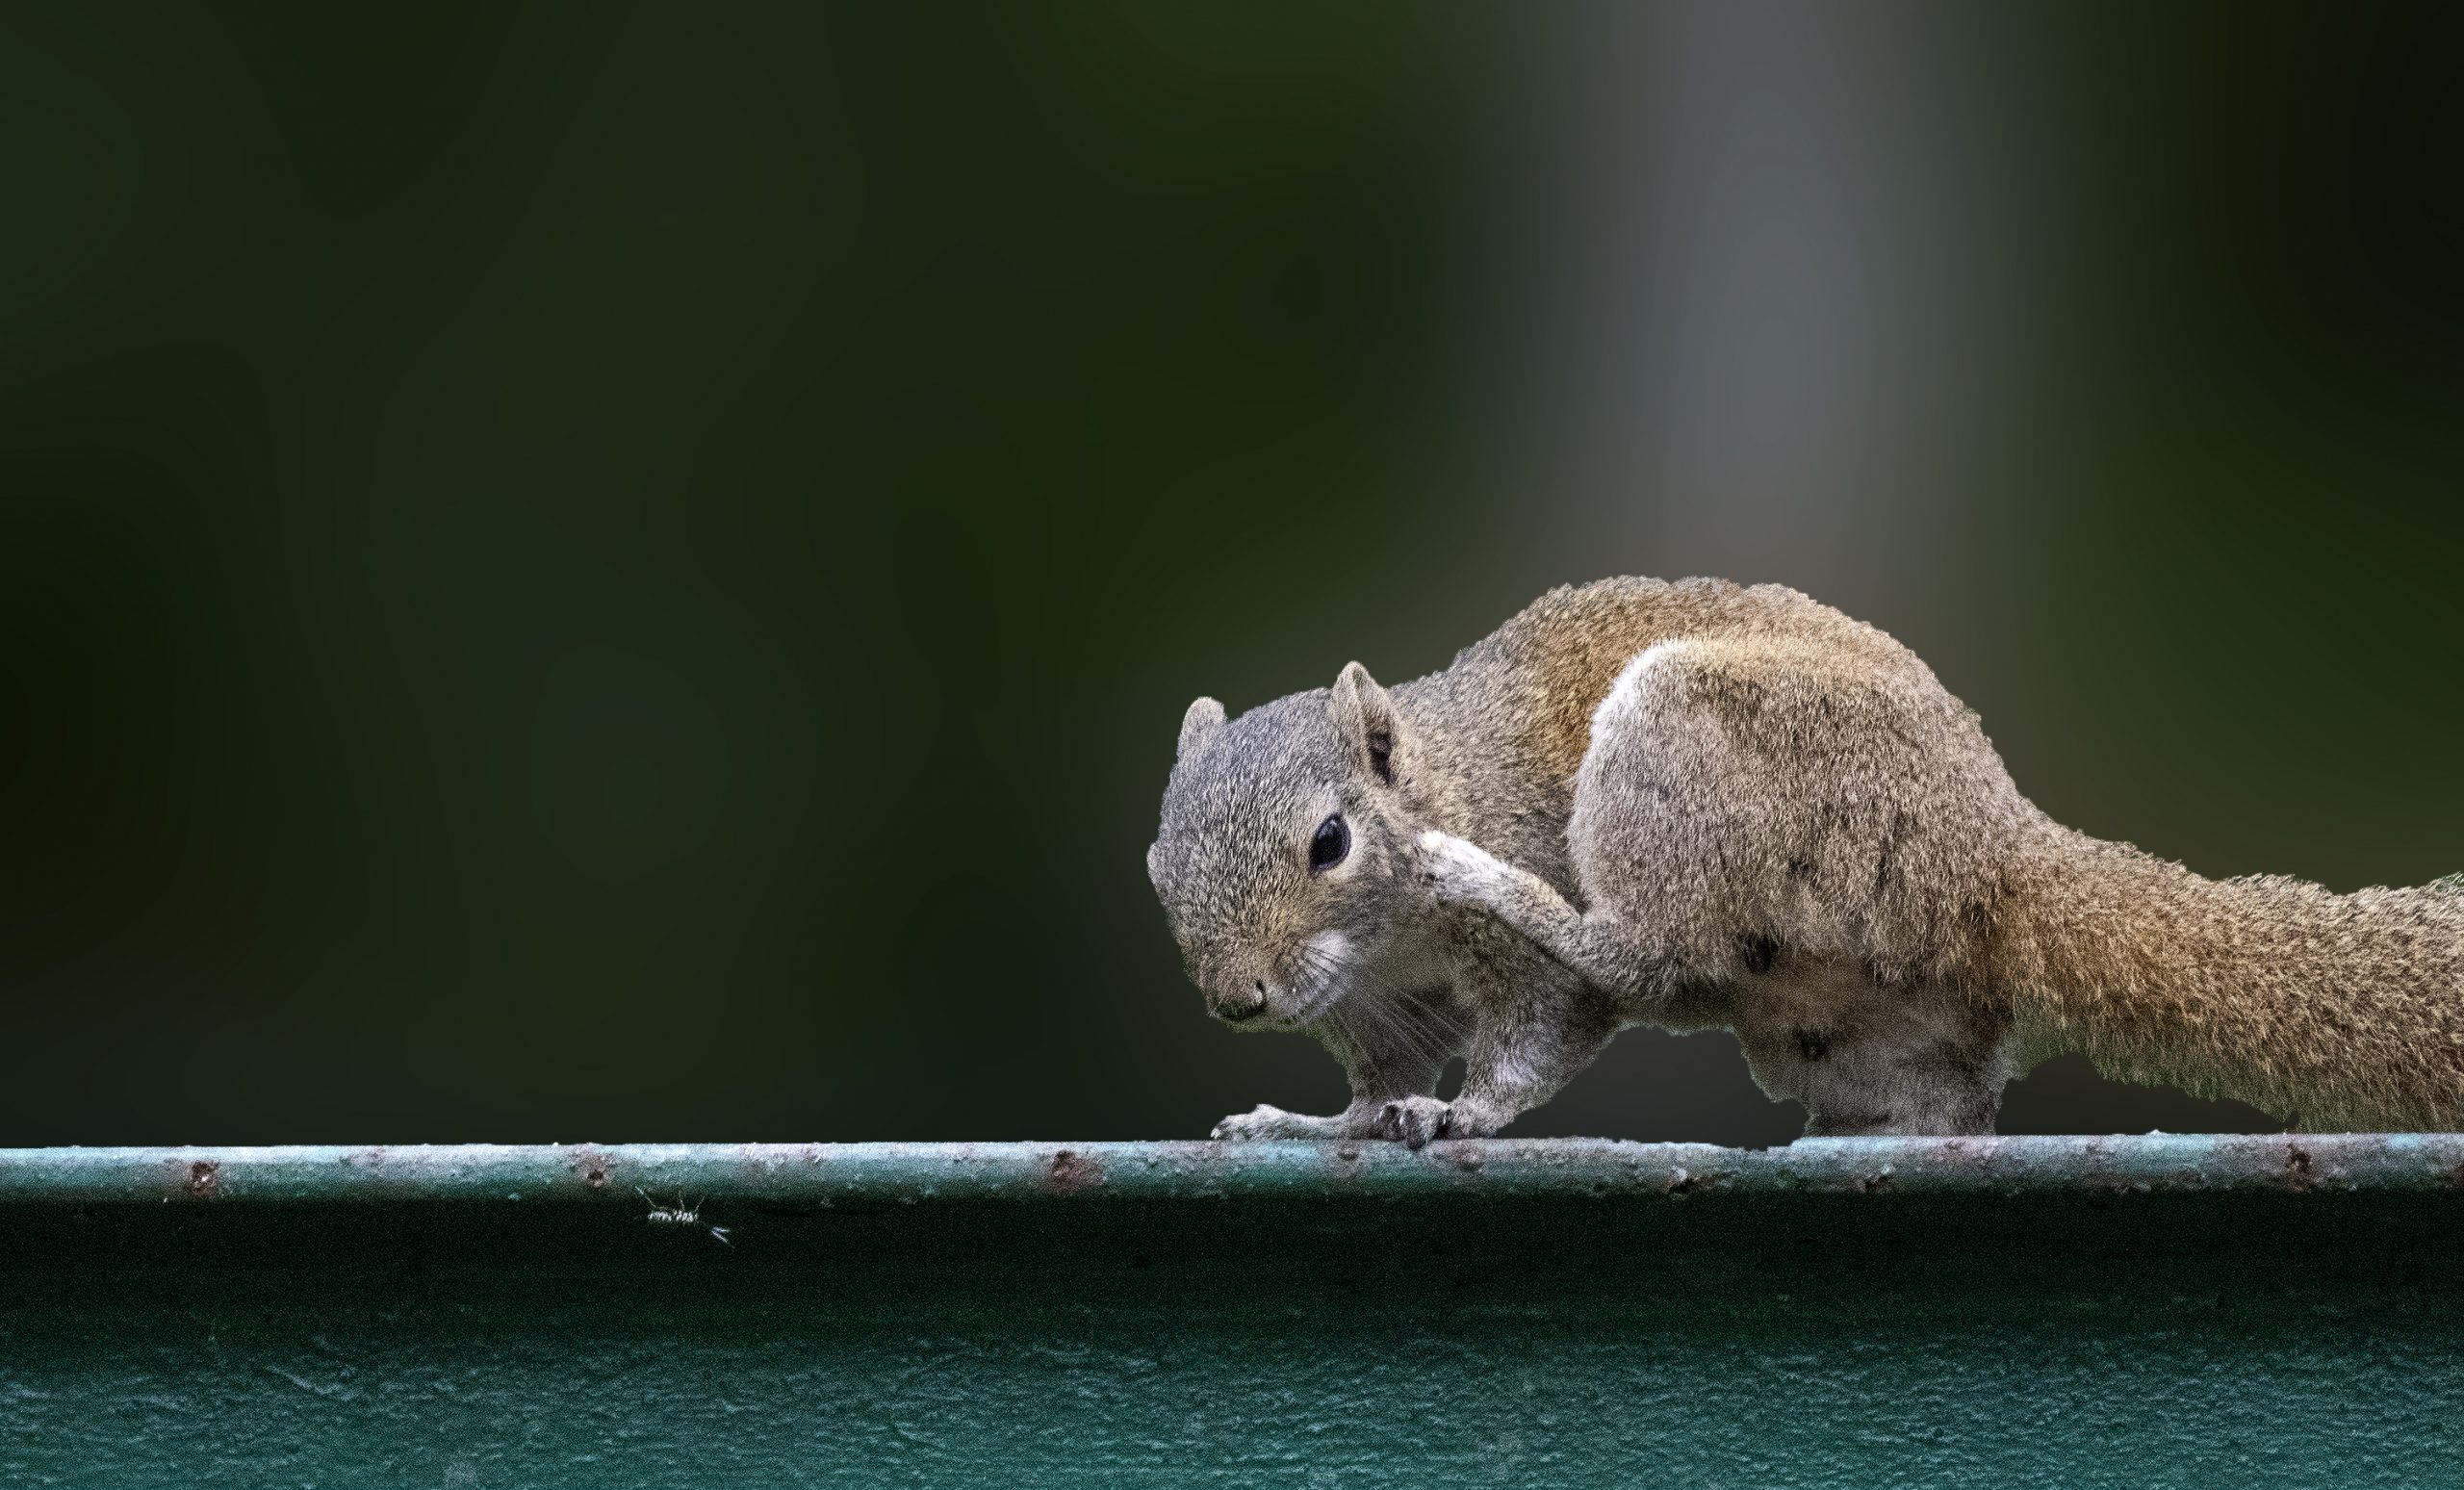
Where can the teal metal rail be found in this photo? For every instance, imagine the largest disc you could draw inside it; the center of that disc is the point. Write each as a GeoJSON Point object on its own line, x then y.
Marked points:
{"type": "Point", "coordinates": [2125, 1311]}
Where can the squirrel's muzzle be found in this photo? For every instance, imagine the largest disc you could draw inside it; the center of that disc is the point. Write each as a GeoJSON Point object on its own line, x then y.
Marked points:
{"type": "Point", "coordinates": [1233, 1007]}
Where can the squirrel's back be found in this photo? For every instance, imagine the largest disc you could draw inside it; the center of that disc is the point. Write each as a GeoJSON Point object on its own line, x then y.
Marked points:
{"type": "Point", "coordinates": [1530, 686]}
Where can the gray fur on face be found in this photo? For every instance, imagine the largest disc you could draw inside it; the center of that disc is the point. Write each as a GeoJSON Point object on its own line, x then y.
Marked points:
{"type": "Point", "coordinates": [1701, 805]}
{"type": "Point", "coordinates": [1264, 934]}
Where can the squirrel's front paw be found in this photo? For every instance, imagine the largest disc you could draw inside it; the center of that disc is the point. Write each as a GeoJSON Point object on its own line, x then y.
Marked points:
{"type": "Point", "coordinates": [1413, 1120]}
{"type": "Point", "coordinates": [1458, 872]}
{"type": "Point", "coordinates": [1268, 1123]}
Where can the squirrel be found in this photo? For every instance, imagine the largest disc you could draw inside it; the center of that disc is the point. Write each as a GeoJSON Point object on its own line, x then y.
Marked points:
{"type": "Point", "coordinates": [1697, 804]}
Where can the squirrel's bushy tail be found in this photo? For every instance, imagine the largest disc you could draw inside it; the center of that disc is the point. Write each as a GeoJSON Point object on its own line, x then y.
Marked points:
{"type": "Point", "coordinates": [2346, 1012]}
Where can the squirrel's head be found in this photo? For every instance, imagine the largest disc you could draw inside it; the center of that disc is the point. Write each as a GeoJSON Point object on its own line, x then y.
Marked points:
{"type": "Point", "coordinates": [1284, 858]}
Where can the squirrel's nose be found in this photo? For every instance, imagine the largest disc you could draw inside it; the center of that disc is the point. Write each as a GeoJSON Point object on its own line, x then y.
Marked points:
{"type": "Point", "coordinates": [1233, 1008]}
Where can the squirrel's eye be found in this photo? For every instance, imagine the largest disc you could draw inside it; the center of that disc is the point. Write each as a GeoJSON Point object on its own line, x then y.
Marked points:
{"type": "Point", "coordinates": [1328, 845]}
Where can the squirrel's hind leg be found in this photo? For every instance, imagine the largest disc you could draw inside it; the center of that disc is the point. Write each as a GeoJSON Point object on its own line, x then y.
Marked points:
{"type": "Point", "coordinates": [1595, 947]}
{"type": "Point", "coordinates": [1746, 797]}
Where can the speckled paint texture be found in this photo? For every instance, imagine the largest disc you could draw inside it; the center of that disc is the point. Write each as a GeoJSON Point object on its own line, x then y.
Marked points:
{"type": "Point", "coordinates": [2135, 1311]}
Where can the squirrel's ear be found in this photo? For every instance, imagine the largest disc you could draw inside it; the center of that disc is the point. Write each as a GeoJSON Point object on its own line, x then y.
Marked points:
{"type": "Point", "coordinates": [1365, 716]}
{"type": "Point", "coordinates": [1197, 724]}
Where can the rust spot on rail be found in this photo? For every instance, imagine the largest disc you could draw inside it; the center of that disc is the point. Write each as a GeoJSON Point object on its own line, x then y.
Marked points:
{"type": "Point", "coordinates": [2297, 1169]}
{"type": "Point", "coordinates": [1071, 1172]}
{"type": "Point", "coordinates": [594, 1167]}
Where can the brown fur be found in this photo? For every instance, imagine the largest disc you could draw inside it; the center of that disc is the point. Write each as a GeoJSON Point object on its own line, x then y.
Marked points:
{"type": "Point", "coordinates": [1702, 805]}
{"type": "Point", "coordinates": [2347, 1010]}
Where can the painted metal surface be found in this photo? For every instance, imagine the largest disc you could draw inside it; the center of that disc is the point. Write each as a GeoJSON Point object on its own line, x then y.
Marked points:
{"type": "Point", "coordinates": [2148, 1310]}
{"type": "Point", "coordinates": [820, 1173]}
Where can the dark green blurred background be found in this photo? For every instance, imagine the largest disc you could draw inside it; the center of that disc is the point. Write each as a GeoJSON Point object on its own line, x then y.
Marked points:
{"type": "Point", "coordinates": [596, 571]}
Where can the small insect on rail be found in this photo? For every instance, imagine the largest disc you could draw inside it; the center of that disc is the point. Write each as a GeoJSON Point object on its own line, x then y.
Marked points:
{"type": "Point", "coordinates": [682, 1212]}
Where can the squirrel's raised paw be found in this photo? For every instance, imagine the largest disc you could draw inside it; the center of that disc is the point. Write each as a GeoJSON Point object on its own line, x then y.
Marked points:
{"type": "Point", "coordinates": [1457, 871]}
{"type": "Point", "coordinates": [1270, 1123]}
